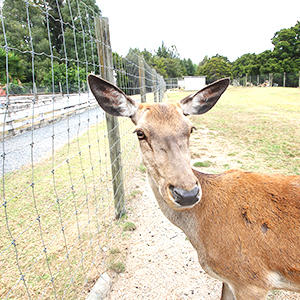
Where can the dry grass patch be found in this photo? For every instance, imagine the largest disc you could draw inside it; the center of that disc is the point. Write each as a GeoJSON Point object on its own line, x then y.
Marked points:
{"type": "Point", "coordinates": [255, 129]}
{"type": "Point", "coordinates": [58, 220]}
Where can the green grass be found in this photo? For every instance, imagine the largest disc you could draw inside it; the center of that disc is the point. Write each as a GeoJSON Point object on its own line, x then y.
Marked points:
{"type": "Point", "coordinates": [118, 267]}
{"type": "Point", "coordinates": [115, 251]}
{"type": "Point", "coordinates": [204, 164]}
{"type": "Point", "coordinates": [135, 193]}
{"type": "Point", "coordinates": [232, 154]}
{"type": "Point", "coordinates": [129, 226]}
{"type": "Point", "coordinates": [142, 168]}
{"type": "Point", "coordinates": [64, 219]}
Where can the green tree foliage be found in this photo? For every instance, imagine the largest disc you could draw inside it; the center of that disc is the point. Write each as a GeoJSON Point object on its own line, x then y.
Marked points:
{"type": "Point", "coordinates": [19, 29]}
{"type": "Point", "coordinates": [166, 61]}
{"type": "Point", "coordinates": [16, 69]}
{"type": "Point", "coordinates": [268, 63]}
{"type": "Point", "coordinates": [247, 64]}
{"type": "Point", "coordinates": [76, 77]}
{"type": "Point", "coordinates": [215, 68]}
{"type": "Point", "coordinates": [166, 52]}
{"type": "Point", "coordinates": [287, 48]}
{"type": "Point", "coordinates": [285, 57]}
{"type": "Point", "coordinates": [189, 67]}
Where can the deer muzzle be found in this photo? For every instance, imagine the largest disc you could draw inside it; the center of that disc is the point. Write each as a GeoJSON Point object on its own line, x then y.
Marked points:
{"type": "Point", "coordinates": [184, 197]}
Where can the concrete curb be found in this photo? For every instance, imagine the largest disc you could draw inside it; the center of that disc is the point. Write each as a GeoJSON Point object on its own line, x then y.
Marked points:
{"type": "Point", "coordinates": [101, 288]}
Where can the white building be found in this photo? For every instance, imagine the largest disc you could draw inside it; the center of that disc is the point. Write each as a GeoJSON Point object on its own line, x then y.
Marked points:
{"type": "Point", "coordinates": [192, 83]}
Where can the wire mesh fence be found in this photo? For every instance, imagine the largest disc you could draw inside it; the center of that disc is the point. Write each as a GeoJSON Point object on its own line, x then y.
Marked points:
{"type": "Point", "coordinates": [57, 213]}
{"type": "Point", "coordinates": [271, 79]}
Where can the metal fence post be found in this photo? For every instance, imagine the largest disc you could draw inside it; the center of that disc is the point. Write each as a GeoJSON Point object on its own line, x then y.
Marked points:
{"type": "Point", "coordinates": [159, 88]}
{"type": "Point", "coordinates": [106, 62]}
{"type": "Point", "coordinates": [271, 79]}
{"type": "Point", "coordinates": [142, 79]}
{"type": "Point", "coordinates": [155, 84]}
{"type": "Point", "coordinates": [161, 91]}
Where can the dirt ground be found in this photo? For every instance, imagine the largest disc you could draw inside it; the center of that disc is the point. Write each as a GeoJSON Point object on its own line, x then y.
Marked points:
{"type": "Point", "coordinates": [161, 263]}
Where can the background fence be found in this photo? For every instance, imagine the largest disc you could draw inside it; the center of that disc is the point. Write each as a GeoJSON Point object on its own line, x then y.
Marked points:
{"type": "Point", "coordinates": [65, 173]}
{"type": "Point", "coordinates": [271, 79]}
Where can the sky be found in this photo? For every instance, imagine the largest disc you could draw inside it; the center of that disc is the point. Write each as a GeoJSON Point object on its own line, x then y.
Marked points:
{"type": "Point", "coordinates": [196, 27]}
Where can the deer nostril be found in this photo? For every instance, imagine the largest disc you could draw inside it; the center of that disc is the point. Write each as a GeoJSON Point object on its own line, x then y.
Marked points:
{"type": "Point", "coordinates": [184, 197]}
{"type": "Point", "coordinates": [175, 192]}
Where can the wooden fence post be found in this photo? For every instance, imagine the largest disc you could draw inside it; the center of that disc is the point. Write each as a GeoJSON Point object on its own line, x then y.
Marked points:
{"type": "Point", "coordinates": [299, 80]}
{"type": "Point", "coordinates": [284, 78]}
{"type": "Point", "coordinates": [106, 65]}
{"type": "Point", "coordinates": [142, 79]}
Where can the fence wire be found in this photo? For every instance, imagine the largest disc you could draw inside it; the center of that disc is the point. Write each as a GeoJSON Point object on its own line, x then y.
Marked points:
{"type": "Point", "coordinates": [57, 214]}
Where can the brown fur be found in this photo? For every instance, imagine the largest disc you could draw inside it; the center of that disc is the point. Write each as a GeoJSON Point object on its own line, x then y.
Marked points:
{"type": "Point", "coordinates": [255, 220]}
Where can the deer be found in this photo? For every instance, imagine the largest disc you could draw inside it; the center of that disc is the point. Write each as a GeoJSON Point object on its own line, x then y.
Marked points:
{"type": "Point", "coordinates": [245, 226]}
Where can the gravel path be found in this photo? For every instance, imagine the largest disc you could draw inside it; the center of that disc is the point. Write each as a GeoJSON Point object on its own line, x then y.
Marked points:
{"type": "Point", "coordinates": [161, 263]}
{"type": "Point", "coordinates": [18, 148]}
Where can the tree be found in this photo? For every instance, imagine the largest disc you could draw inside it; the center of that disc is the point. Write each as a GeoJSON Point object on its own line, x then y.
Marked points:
{"type": "Point", "coordinates": [268, 63]}
{"type": "Point", "coordinates": [15, 66]}
{"type": "Point", "coordinates": [190, 68]}
{"type": "Point", "coordinates": [173, 68]}
{"type": "Point", "coordinates": [287, 48]}
{"type": "Point", "coordinates": [165, 52]}
{"type": "Point", "coordinates": [203, 61]}
{"type": "Point", "coordinates": [166, 61]}
{"type": "Point", "coordinates": [247, 64]}
{"type": "Point", "coordinates": [59, 71]}
{"type": "Point", "coordinates": [21, 26]}
{"type": "Point", "coordinates": [215, 68]}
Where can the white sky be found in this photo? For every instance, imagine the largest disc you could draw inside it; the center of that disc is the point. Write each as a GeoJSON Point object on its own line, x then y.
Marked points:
{"type": "Point", "coordinates": [198, 28]}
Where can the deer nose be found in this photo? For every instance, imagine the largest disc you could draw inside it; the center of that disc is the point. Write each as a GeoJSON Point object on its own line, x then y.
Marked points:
{"type": "Point", "coordinates": [184, 197]}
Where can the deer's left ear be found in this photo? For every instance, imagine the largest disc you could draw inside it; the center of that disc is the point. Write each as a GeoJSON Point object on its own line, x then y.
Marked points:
{"type": "Point", "coordinates": [111, 98]}
{"type": "Point", "coordinates": [205, 99]}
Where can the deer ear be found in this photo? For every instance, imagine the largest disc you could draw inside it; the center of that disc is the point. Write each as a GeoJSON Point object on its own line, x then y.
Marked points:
{"type": "Point", "coordinates": [205, 99]}
{"type": "Point", "coordinates": [111, 98]}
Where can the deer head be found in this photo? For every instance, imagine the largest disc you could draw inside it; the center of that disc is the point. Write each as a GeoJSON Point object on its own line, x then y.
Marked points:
{"type": "Point", "coordinates": [163, 131]}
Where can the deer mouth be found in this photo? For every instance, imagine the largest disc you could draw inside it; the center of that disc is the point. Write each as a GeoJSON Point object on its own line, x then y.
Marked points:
{"type": "Point", "coordinates": [184, 198]}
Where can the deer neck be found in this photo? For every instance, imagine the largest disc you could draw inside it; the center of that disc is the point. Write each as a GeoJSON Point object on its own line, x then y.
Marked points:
{"type": "Point", "coordinates": [185, 220]}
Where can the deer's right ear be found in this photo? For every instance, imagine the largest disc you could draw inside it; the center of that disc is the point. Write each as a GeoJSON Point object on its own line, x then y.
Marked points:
{"type": "Point", "coordinates": [111, 98]}
{"type": "Point", "coordinates": [205, 99]}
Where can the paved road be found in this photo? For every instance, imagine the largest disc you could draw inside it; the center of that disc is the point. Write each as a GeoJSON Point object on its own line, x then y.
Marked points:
{"type": "Point", "coordinates": [18, 149]}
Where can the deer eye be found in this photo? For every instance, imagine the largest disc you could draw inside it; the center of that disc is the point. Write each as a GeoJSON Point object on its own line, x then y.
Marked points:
{"type": "Point", "coordinates": [140, 134]}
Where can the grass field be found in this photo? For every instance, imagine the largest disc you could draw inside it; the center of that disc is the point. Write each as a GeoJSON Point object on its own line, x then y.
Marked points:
{"type": "Point", "coordinates": [254, 129]}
